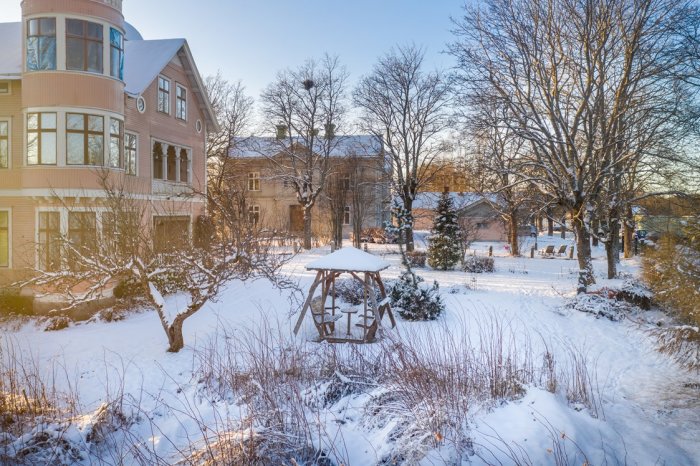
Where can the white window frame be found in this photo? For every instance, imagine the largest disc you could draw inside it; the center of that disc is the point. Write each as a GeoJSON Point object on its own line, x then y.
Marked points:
{"type": "Point", "coordinates": [9, 87]}
{"type": "Point", "coordinates": [136, 155]}
{"type": "Point", "coordinates": [8, 120]}
{"type": "Point", "coordinates": [254, 214]}
{"type": "Point", "coordinates": [254, 180]}
{"type": "Point", "coordinates": [178, 147]}
{"type": "Point", "coordinates": [170, 94]}
{"type": "Point", "coordinates": [187, 93]}
{"type": "Point", "coordinates": [9, 237]}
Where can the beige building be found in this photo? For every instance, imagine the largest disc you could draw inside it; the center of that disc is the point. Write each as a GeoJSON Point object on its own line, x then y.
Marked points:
{"type": "Point", "coordinates": [357, 183]}
{"type": "Point", "coordinates": [82, 95]}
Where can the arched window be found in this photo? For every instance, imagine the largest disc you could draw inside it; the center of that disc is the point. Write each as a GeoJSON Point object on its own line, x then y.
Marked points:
{"type": "Point", "coordinates": [158, 161]}
{"type": "Point", "coordinates": [184, 166]}
{"type": "Point", "coordinates": [172, 163]}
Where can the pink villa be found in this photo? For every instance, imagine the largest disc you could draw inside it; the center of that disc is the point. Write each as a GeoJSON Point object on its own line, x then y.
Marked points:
{"type": "Point", "coordinates": [82, 94]}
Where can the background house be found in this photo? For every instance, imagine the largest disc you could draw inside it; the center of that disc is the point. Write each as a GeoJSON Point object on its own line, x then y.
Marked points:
{"type": "Point", "coordinates": [356, 186]}
{"type": "Point", "coordinates": [475, 212]}
{"type": "Point", "coordinates": [84, 98]}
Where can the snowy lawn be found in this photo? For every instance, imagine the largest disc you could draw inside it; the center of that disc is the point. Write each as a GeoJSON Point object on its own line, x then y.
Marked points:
{"type": "Point", "coordinates": [643, 408]}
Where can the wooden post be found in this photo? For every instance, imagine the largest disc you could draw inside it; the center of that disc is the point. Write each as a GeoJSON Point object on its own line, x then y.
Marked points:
{"type": "Point", "coordinates": [307, 303]}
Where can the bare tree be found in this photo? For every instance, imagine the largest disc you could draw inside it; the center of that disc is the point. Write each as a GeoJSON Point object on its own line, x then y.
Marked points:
{"type": "Point", "coordinates": [226, 183]}
{"type": "Point", "coordinates": [573, 77]}
{"type": "Point", "coordinates": [134, 252]}
{"type": "Point", "coordinates": [406, 107]}
{"type": "Point", "coordinates": [299, 104]}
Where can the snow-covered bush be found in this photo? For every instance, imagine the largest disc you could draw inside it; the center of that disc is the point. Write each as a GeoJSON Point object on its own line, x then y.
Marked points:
{"type": "Point", "coordinates": [350, 290]}
{"type": "Point", "coordinates": [601, 304]}
{"type": "Point", "coordinates": [415, 300]}
{"type": "Point", "coordinates": [416, 258]}
{"type": "Point", "coordinates": [478, 264]}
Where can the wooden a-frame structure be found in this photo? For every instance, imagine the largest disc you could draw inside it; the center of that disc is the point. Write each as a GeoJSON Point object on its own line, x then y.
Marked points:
{"type": "Point", "coordinates": [363, 267]}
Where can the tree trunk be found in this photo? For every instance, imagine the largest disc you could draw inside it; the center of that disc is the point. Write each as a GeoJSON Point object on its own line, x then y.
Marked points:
{"type": "Point", "coordinates": [612, 246]}
{"type": "Point", "coordinates": [563, 228]}
{"type": "Point", "coordinates": [628, 226]}
{"type": "Point", "coordinates": [583, 254]}
{"type": "Point", "coordinates": [175, 339]}
{"type": "Point", "coordinates": [550, 226]}
{"type": "Point", "coordinates": [408, 233]}
{"type": "Point", "coordinates": [307, 227]}
{"type": "Point", "coordinates": [513, 234]}
{"type": "Point", "coordinates": [595, 225]}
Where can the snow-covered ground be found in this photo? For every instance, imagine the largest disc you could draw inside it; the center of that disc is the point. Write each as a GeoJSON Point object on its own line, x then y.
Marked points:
{"type": "Point", "coordinates": [649, 407]}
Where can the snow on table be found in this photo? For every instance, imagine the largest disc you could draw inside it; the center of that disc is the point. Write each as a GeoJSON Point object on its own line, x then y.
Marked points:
{"type": "Point", "coordinates": [349, 260]}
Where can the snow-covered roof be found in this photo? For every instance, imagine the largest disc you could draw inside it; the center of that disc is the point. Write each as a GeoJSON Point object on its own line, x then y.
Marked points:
{"type": "Point", "coordinates": [131, 33]}
{"type": "Point", "coordinates": [10, 50]}
{"type": "Point", "coordinates": [340, 146]}
{"type": "Point", "coordinates": [429, 200]}
{"type": "Point", "coordinates": [349, 260]}
{"type": "Point", "coordinates": [145, 59]}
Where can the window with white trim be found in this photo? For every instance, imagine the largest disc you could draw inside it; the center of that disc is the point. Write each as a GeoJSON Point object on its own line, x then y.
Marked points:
{"type": "Point", "coordinates": [254, 181]}
{"type": "Point", "coordinates": [82, 234]}
{"type": "Point", "coordinates": [254, 214]}
{"type": "Point", "coordinates": [4, 87]}
{"type": "Point", "coordinates": [84, 41]}
{"type": "Point", "coordinates": [4, 144]}
{"type": "Point", "coordinates": [171, 162]}
{"type": "Point", "coordinates": [180, 102]}
{"type": "Point", "coordinates": [41, 44]}
{"type": "Point", "coordinates": [49, 230]}
{"type": "Point", "coordinates": [41, 139]}
{"type": "Point", "coordinates": [116, 54]}
{"type": "Point", "coordinates": [171, 233]}
{"type": "Point", "coordinates": [4, 238]}
{"type": "Point", "coordinates": [84, 139]}
{"type": "Point", "coordinates": [163, 95]}
{"type": "Point", "coordinates": [130, 151]}
{"type": "Point", "coordinates": [116, 145]}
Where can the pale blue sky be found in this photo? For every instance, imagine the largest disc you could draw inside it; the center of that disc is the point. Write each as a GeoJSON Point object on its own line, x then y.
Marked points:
{"type": "Point", "coordinates": [251, 40]}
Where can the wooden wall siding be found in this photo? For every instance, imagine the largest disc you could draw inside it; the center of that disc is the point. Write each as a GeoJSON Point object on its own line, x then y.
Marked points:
{"type": "Point", "coordinates": [11, 108]}
{"type": "Point", "coordinates": [72, 89]}
{"type": "Point", "coordinates": [97, 9]}
{"type": "Point", "coordinates": [153, 124]}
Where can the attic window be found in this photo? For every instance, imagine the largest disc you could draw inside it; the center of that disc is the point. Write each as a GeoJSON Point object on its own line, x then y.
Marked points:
{"type": "Point", "coordinates": [4, 87]}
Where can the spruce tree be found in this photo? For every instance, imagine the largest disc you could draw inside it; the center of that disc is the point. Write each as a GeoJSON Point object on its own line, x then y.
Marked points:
{"type": "Point", "coordinates": [444, 249]}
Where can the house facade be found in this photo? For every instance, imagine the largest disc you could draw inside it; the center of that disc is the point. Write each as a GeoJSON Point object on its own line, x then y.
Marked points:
{"type": "Point", "coordinates": [475, 213]}
{"type": "Point", "coordinates": [84, 99]}
{"type": "Point", "coordinates": [356, 181]}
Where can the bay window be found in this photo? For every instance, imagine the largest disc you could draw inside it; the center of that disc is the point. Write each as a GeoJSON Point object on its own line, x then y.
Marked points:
{"type": "Point", "coordinates": [84, 139]}
{"type": "Point", "coordinates": [116, 135]}
{"type": "Point", "coordinates": [171, 169]}
{"type": "Point", "coordinates": [41, 139]}
{"type": "Point", "coordinates": [116, 48]}
{"type": "Point", "coordinates": [84, 46]}
{"type": "Point", "coordinates": [41, 44]}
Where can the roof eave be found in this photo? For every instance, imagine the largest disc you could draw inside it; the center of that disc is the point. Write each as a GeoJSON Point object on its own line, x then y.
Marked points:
{"type": "Point", "coordinates": [199, 90]}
